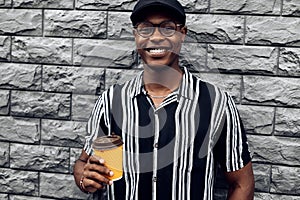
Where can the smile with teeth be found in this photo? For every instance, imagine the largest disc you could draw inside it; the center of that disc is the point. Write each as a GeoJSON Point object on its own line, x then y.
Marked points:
{"type": "Point", "coordinates": [156, 50]}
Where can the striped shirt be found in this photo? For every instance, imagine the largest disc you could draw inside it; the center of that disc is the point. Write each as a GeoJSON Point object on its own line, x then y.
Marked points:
{"type": "Point", "coordinates": [170, 152]}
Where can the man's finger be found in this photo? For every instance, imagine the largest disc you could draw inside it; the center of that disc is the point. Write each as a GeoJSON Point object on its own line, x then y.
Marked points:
{"type": "Point", "coordinates": [98, 178]}
{"type": "Point", "coordinates": [91, 170]}
{"type": "Point", "coordinates": [91, 185]}
{"type": "Point", "coordinates": [96, 160]}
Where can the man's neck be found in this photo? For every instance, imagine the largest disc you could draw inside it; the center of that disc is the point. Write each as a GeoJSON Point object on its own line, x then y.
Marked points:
{"type": "Point", "coordinates": [162, 80]}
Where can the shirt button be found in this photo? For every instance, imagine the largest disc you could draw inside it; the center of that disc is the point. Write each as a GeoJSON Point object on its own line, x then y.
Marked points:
{"type": "Point", "coordinates": [155, 145]}
{"type": "Point", "coordinates": [154, 179]}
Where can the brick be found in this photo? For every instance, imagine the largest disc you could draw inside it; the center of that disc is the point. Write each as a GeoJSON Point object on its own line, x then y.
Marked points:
{"type": "Point", "coordinates": [285, 180]}
{"type": "Point", "coordinates": [64, 23]}
{"type": "Point", "coordinates": [4, 102]}
{"type": "Point", "coordinates": [73, 79]}
{"type": "Point", "coordinates": [195, 6]}
{"type": "Point", "coordinates": [251, 6]}
{"type": "Point", "coordinates": [287, 122]}
{"type": "Point", "coordinates": [264, 30]}
{"type": "Point", "coordinates": [21, 22]}
{"type": "Point", "coordinates": [271, 91]}
{"type": "Point", "coordinates": [275, 150]}
{"type": "Point", "coordinates": [257, 119]}
{"type": "Point", "coordinates": [104, 53]}
{"type": "Point", "coordinates": [119, 25]}
{"type": "Point", "coordinates": [19, 130]}
{"type": "Point", "coordinates": [267, 196]}
{"type": "Point", "coordinates": [289, 61]}
{"type": "Point", "coordinates": [74, 155]}
{"type": "Point", "coordinates": [20, 197]}
{"type": "Point", "coordinates": [40, 104]}
{"type": "Point", "coordinates": [106, 4]}
{"type": "Point", "coordinates": [5, 3]}
{"type": "Point", "coordinates": [5, 48]}
{"type": "Point", "coordinates": [82, 106]}
{"type": "Point", "coordinates": [67, 4]}
{"type": "Point", "coordinates": [62, 186]}
{"type": "Point", "coordinates": [128, 5]}
{"type": "Point", "coordinates": [36, 157]}
{"type": "Point", "coordinates": [215, 28]}
{"type": "Point", "coordinates": [118, 76]}
{"type": "Point", "coordinates": [242, 58]}
{"type": "Point", "coordinates": [262, 177]}
{"type": "Point", "coordinates": [42, 50]}
{"type": "Point", "coordinates": [20, 76]}
{"type": "Point", "coordinates": [228, 83]}
{"type": "Point", "coordinates": [4, 154]}
{"type": "Point", "coordinates": [193, 56]}
{"type": "Point", "coordinates": [291, 7]}
{"type": "Point", "coordinates": [63, 133]}
{"type": "Point", "coordinates": [19, 182]}
{"type": "Point", "coordinates": [4, 196]}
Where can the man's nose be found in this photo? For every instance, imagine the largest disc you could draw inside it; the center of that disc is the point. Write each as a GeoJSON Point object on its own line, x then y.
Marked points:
{"type": "Point", "coordinates": [157, 36]}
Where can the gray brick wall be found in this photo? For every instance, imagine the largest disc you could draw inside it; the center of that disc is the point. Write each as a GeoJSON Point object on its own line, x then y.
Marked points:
{"type": "Point", "coordinates": [57, 56]}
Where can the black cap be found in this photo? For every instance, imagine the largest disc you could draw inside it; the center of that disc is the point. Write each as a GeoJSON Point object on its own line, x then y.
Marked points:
{"type": "Point", "coordinates": [172, 5]}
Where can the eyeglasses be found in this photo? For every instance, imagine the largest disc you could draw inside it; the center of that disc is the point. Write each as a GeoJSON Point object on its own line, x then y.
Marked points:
{"type": "Point", "coordinates": [166, 28]}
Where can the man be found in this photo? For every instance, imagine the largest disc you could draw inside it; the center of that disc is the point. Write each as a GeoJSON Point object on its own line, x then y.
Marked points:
{"type": "Point", "coordinates": [175, 127]}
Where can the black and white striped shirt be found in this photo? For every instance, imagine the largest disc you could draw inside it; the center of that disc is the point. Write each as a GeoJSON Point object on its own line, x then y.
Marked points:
{"type": "Point", "coordinates": [170, 152]}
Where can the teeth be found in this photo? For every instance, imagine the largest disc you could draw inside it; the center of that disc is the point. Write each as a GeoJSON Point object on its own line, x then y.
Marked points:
{"type": "Point", "coordinates": [157, 50]}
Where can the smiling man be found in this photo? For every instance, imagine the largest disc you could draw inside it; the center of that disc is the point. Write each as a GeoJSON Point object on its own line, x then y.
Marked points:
{"type": "Point", "coordinates": [176, 128]}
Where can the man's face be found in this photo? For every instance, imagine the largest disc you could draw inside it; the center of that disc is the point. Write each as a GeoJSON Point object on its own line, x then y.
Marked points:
{"type": "Point", "coordinates": [159, 50]}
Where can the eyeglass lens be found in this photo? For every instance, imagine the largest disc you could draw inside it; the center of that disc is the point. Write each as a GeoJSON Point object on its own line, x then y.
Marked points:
{"type": "Point", "coordinates": [146, 29]}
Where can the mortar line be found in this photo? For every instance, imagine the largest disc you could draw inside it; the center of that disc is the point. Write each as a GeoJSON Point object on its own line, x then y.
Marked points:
{"type": "Point", "coordinates": [274, 121]}
{"type": "Point", "coordinates": [245, 30]}
{"type": "Point", "coordinates": [281, 8]}
{"type": "Point", "coordinates": [9, 102]}
{"type": "Point", "coordinates": [71, 97]}
{"type": "Point", "coordinates": [40, 131]}
{"type": "Point", "coordinates": [43, 22]}
{"type": "Point", "coordinates": [242, 88]}
{"type": "Point", "coordinates": [270, 178]}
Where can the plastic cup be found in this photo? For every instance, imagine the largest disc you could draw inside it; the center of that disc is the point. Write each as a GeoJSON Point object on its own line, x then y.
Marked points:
{"type": "Point", "coordinates": [110, 148]}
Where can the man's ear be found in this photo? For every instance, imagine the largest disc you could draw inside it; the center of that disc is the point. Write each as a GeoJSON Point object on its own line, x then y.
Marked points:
{"type": "Point", "coordinates": [134, 32]}
{"type": "Point", "coordinates": [183, 30]}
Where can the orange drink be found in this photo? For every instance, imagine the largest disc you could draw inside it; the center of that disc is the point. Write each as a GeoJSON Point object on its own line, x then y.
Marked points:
{"type": "Point", "coordinates": [110, 148]}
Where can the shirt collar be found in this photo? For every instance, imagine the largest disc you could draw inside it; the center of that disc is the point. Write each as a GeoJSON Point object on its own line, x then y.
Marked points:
{"type": "Point", "coordinates": [185, 89]}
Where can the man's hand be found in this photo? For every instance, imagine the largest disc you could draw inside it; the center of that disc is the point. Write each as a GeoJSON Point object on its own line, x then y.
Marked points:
{"type": "Point", "coordinates": [90, 173]}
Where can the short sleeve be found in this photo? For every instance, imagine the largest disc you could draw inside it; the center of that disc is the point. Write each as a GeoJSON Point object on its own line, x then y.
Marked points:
{"type": "Point", "coordinates": [231, 150]}
{"type": "Point", "coordinates": [98, 123]}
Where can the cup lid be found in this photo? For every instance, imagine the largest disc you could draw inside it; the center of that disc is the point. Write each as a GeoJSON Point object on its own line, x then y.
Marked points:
{"type": "Point", "coordinates": [107, 142]}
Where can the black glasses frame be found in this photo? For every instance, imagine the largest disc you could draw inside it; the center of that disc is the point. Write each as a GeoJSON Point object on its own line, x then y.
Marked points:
{"type": "Point", "coordinates": [151, 28]}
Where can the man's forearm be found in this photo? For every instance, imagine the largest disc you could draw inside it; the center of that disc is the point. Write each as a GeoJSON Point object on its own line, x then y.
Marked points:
{"type": "Point", "coordinates": [241, 183]}
{"type": "Point", "coordinates": [237, 192]}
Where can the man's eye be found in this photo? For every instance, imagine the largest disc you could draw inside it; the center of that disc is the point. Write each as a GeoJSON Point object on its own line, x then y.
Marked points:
{"type": "Point", "coordinates": [145, 30]}
{"type": "Point", "coordinates": [169, 27]}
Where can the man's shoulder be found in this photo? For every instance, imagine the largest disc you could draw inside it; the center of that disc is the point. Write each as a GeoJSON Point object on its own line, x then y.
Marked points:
{"type": "Point", "coordinates": [206, 85]}
{"type": "Point", "coordinates": [130, 85]}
